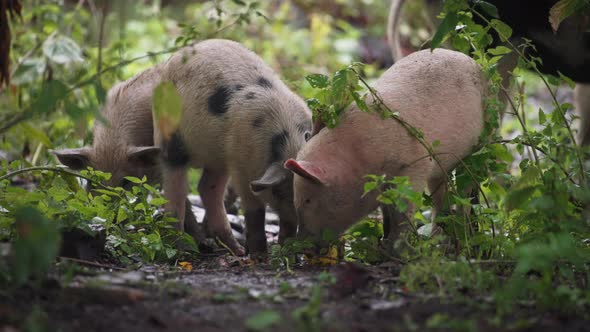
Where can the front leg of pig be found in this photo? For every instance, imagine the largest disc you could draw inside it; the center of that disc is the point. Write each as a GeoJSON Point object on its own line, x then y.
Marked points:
{"type": "Point", "coordinates": [212, 189]}
{"type": "Point", "coordinates": [254, 215]}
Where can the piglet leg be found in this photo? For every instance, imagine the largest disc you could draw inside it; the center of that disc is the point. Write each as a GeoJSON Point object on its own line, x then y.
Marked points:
{"type": "Point", "coordinates": [212, 190]}
{"type": "Point", "coordinates": [175, 190]}
{"type": "Point", "coordinates": [255, 232]}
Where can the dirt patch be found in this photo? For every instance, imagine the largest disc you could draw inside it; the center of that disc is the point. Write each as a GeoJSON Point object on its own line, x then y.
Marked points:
{"type": "Point", "coordinates": [215, 296]}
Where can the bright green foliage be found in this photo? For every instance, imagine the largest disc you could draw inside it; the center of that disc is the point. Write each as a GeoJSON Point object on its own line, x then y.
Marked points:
{"type": "Point", "coordinates": [334, 94]}
{"type": "Point", "coordinates": [36, 245]}
{"type": "Point", "coordinates": [133, 228]}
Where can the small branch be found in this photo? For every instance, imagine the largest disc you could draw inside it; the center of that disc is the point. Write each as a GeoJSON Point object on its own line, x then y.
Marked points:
{"type": "Point", "coordinates": [52, 169]}
{"type": "Point", "coordinates": [101, 36]}
{"type": "Point", "coordinates": [85, 262]}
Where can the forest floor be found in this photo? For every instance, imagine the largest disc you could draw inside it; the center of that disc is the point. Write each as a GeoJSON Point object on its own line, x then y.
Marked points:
{"type": "Point", "coordinates": [223, 293]}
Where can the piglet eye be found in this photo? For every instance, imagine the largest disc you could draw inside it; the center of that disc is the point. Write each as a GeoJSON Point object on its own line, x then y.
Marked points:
{"type": "Point", "coordinates": [307, 201]}
{"type": "Point", "coordinates": [307, 136]}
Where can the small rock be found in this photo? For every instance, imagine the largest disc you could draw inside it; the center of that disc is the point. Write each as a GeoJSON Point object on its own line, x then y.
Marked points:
{"type": "Point", "coordinates": [384, 305]}
{"type": "Point", "coordinates": [196, 200]}
{"type": "Point", "coordinates": [272, 218]}
{"type": "Point", "coordinates": [272, 229]}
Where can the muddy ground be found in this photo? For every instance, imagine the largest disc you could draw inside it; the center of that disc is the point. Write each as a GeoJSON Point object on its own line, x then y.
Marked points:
{"type": "Point", "coordinates": [228, 294]}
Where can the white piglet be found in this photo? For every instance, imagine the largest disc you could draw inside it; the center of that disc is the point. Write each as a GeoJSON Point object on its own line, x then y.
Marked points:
{"type": "Point", "coordinates": [441, 93]}
{"type": "Point", "coordinates": [241, 121]}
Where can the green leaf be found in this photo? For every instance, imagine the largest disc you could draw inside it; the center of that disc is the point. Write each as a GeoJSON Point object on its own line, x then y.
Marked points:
{"type": "Point", "coordinates": [500, 50]}
{"type": "Point", "coordinates": [542, 117]}
{"type": "Point", "coordinates": [318, 81]}
{"type": "Point", "coordinates": [517, 198]}
{"type": "Point", "coordinates": [504, 31]}
{"type": "Point", "coordinates": [447, 25]}
{"type": "Point", "coordinates": [62, 50]}
{"type": "Point", "coordinates": [158, 201]}
{"type": "Point", "coordinates": [51, 93]}
{"type": "Point", "coordinates": [134, 180]}
{"type": "Point", "coordinates": [35, 133]}
{"type": "Point", "coordinates": [167, 108]}
{"type": "Point", "coordinates": [488, 8]}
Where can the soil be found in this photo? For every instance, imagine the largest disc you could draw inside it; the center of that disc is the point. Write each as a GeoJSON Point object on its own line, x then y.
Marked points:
{"type": "Point", "coordinates": [222, 293]}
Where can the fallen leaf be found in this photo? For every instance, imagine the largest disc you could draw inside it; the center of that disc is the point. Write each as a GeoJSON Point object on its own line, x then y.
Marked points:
{"type": "Point", "coordinates": [187, 266]}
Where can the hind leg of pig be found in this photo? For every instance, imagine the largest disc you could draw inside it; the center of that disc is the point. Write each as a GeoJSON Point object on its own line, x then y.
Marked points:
{"type": "Point", "coordinates": [212, 189]}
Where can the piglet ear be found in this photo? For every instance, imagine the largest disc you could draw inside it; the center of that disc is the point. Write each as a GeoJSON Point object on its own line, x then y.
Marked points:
{"type": "Point", "coordinates": [273, 176]}
{"type": "Point", "coordinates": [143, 156]}
{"type": "Point", "coordinates": [306, 170]}
{"type": "Point", "coordinates": [76, 159]}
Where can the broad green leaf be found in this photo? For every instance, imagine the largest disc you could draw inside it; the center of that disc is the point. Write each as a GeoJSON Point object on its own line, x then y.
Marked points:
{"type": "Point", "coordinates": [447, 26]}
{"type": "Point", "coordinates": [504, 31]}
{"type": "Point", "coordinates": [500, 50]}
{"type": "Point", "coordinates": [52, 92]}
{"type": "Point", "coordinates": [517, 198]}
{"type": "Point", "coordinates": [488, 8]}
{"type": "Point", "coordinates": [134, 179]}
{"type": "Point", "coordinates": [62, 50]}
{"type": "Point", "coordinates": [167, 108]}
{"type": "Point", "coordinates": [318, 80]}
{"type": "Point", "coordinates": [37, 134]}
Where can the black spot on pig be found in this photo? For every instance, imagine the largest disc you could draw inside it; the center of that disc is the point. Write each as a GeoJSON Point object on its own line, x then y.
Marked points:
{"type": "Point", "coordinates": [258, 121]}
{"type": "Point", "coordinates": [174, 152]}
{"type": "Point", "coordinates": [217, 103]}
{"type": "Point", "coordinates": [277, 145]}
{"type": "Point", "coordinates": [238, 87]}
{"type": "Point", "coordinates": [263, 82]}
{"type": "Point", "coordinates": [250, 95]}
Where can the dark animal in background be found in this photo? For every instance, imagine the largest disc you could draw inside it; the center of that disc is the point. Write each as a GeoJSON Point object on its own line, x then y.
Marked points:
{"type": "Point", "coordinates": [567, 50]}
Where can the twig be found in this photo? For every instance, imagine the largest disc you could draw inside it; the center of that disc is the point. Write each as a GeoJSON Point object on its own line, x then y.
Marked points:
{"type": "Point", "coordinates": [85, 262]}
{"type": "Point", "coordinates": [225, 246]}
{"type": "Point", "coordinates": [52, 169]}
{"type": "Point", "coordinates": [101, 36]}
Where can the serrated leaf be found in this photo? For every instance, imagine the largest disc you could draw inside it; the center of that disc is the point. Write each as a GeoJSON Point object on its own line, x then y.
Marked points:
{"type": "Point", "coordinates": [318, 81]}
{"type": "Point", "coordinates": [167, 108]}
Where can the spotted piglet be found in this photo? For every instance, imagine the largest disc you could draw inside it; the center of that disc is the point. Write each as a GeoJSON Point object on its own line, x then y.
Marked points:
{"type": "Point", "coordinates": [123, 140]}
{"type": "Point", "coordinates": [441, 93]}
{"type": "Point", "coordinates": [239, 121]}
